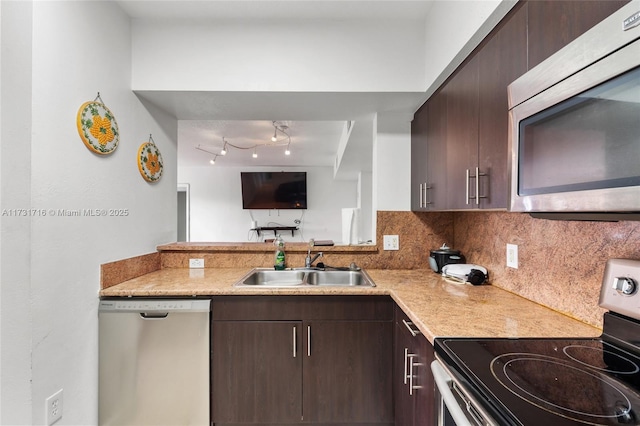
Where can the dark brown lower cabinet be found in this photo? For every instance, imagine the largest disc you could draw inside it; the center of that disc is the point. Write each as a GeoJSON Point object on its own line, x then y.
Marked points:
{"type": "Point", "coordinates": [322, 360]}
{"type": "Point", "coordinates": [257, 377]}
{"type": "Point", "coordinates": [413, 380]}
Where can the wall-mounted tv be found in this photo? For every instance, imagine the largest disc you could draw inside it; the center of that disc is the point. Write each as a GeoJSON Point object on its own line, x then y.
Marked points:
{"type": "Point", "coordinates": [274, 190]}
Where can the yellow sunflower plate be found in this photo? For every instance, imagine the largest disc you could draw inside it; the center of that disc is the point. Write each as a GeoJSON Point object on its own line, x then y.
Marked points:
{"type": "Point", "coordinates": [150, 162]}
{"type": "Point", "coordinates": [97, 127]}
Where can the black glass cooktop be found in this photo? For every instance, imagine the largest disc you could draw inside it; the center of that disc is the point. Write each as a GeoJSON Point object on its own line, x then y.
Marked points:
{"type": "Point", "coordinates": [548, 381]}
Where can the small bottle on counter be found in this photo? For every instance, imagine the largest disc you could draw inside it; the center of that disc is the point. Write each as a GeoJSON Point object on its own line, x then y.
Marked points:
{"type": "Point", "coordinates": [279, 263]}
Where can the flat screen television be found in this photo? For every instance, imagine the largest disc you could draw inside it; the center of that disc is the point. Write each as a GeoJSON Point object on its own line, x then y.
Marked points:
{"type": "Point", "coordinates": [274, 190]}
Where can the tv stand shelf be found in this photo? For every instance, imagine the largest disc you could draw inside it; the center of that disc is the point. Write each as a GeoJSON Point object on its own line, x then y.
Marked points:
{"type": "Point", "coordinates": [275, 229]}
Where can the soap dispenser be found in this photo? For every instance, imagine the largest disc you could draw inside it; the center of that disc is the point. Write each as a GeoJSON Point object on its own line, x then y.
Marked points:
{"type": "Point", "coordinates": [279, 262]}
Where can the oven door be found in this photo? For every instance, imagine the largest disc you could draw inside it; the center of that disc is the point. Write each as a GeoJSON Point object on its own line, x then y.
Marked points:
{"type": "Point", "coordinates": [454, 405]}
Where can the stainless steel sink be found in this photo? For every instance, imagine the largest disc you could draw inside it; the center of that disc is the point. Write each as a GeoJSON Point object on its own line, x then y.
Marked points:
{"type": "Point", "coordinates": [267, 277]}
{"type": "Point", "coordinates": [272, 278]}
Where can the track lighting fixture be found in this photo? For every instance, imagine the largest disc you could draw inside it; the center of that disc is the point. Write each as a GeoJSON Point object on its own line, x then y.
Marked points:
{"type": "Point", "coordinates": [224, 147]}
{"type": "Point", "coordinates": [280, 131]}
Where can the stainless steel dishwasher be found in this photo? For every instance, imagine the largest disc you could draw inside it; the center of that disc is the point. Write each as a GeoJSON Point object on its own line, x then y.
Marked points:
{"type": "Point", "coordinates": [154, 358]}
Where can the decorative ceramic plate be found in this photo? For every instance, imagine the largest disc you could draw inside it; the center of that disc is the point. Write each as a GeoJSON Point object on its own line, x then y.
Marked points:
{"type": "Point", "coordinates": [98, 128]}
{"type": "Point", "coordinates": [150, 162]}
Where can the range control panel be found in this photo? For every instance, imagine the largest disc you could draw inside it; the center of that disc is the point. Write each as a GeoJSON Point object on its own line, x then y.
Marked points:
{"type": "Point", "coordinates": [620, 290]}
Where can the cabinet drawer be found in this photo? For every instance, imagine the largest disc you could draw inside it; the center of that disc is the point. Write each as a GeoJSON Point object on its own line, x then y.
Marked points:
{"type": "Point", "coordinates": [282, 308]}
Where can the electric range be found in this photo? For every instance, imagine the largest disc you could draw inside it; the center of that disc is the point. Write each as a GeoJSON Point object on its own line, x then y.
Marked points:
{"type": "Point", "coordinates": [550, 381]}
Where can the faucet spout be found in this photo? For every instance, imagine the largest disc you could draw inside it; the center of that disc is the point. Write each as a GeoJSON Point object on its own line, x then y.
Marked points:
{"type": "Point", "coordinates": [308, 261]}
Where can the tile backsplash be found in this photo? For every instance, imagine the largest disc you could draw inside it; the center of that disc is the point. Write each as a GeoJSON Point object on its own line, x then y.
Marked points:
{"type": "Point", "coordinates": [561, 263]}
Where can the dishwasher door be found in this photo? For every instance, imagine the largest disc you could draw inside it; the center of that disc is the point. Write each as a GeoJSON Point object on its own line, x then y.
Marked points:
{"type": "Point", "coordinates": [154, 358]}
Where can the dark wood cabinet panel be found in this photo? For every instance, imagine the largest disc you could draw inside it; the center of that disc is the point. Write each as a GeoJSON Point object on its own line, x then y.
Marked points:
{"type": "Point", "coordinates": [413, 380]}
{"type": "Point", "coordinates": [462, 133]}
{"type": "Point", "coordinates": [502, 59]}
{"type": "Point", "coordinates": [436, 192]}
{"type": "Point", "coordinates": [419, 160]}
{"type": "Point", "coordinates": [260, 307]}
{"type": "Point", "coordinates": [429, 154]}
{"type": "Point", "coordinates": [256, 376]}
{"type": "Point", "coordinates": [347, 372]}
{"type": "Point", "coordinates": [474, 124]}
{"type": "Point", "coordinates": [552, 24]}
{"type": "Point", "coordinates": [323, 360]}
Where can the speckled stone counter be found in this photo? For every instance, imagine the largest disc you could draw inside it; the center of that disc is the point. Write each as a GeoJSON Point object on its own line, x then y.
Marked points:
{"type": "Point", "coordinates": [438, 308]}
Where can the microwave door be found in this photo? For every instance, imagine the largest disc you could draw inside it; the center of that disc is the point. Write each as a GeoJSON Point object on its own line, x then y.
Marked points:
{"type": "Point", "coordinates": [576, 146]}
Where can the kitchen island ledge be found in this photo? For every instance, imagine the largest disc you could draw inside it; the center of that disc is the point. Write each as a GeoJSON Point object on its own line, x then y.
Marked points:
{"type": "Point", "coordinates": [438, 308]}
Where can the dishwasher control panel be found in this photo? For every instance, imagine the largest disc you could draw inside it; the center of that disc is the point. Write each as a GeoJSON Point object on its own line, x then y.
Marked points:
{"type": "Point", "coordinates": [174, 305]}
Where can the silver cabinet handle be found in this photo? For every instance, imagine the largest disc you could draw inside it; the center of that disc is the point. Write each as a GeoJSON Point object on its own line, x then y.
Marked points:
{"type": "Point", "coordinates": [478, 196]}
{"type": "Point", "coordinates": [409, 371]}
{"type": "Point", "coordinates": [408, 324]}
{"type": "Point", "coordinates": [466, 186]}
{"type": "Point", "coordinates": [421, 200]}
{"type": "Point", "coordinates": [308, 340]}
{"type": "Point", "coordinates": [426, 199]}
{"type": "Point", "coordinates": [411, 375]}
{"type": "Point", "coordinates": [477, 186]}
{"type": "Point", "coordinates": [294, 341]}
{"type": "Point", "coordinates": [406, 359]}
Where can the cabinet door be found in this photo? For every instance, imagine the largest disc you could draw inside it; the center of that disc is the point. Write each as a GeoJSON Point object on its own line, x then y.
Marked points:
{"type": "Point", "coordinates": [419, 159]}
{"type": "Point", "coordinates": [436, 192]}
{"type": "Point", "coordinates": [462, 134]}
{"type": "Point", "coordinates": [553, 24]}
{"type": "Point", "coordinates": [502, 60]}
{"type": "Point", "coordinates": [424, 383]}
{"type": "Point", "coordinates": [347, 372]}
{"type": "Point", "coordinates": [414, 384]}
{"type": "Point", "coordinates": [256, 372]}
{"type": "Point", "coordinates": [404, 402]}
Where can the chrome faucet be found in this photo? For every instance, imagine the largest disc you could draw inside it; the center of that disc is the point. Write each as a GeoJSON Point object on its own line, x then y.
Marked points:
{"type": "Point", "coordinates": [308, 261]}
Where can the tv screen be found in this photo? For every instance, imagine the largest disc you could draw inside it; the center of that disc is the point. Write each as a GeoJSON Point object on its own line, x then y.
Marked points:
{"type": "Point", "coordinates": [274, 190]}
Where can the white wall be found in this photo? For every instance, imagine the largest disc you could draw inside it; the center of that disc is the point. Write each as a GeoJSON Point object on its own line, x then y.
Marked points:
{"type": "Point", "coordinates": [452, 30]}
{"type": "Point", "coordinates": [50, 278]}
{"type": "Point", "coordinates": [15, 233]}
{"type": "Point", "coordinates": [217, 214]}
{"type": "Point", "coordinates": [305, 56]}
{"type": "Point", "coordinates": [391, 155]}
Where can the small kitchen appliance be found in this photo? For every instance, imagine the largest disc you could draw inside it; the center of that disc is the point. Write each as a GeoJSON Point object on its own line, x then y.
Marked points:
{"type": "Point", "coordinates": [549, 381]}
{"type": "Point", "coordinates": [444, 256]}
{"type": "Point", "coordinates": [465, 273]}
{"type": "Point", "coordinates": [573, 133]}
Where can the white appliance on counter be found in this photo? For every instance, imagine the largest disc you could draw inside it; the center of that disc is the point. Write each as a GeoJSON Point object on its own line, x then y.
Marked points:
{"type": "Point", "coordinates": [154, 358]}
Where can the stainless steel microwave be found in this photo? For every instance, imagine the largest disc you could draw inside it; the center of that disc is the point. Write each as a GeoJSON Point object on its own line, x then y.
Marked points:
{"type": "Point", "coordinates": [574, 124]}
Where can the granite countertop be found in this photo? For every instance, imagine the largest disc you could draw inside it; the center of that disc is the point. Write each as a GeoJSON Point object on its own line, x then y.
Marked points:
{"type": "Point", "coordinates": [438, 308]}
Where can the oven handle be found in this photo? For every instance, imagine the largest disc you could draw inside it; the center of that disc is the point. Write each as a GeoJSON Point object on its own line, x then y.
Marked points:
{"type": "Point", "coordinates": [443, 383]}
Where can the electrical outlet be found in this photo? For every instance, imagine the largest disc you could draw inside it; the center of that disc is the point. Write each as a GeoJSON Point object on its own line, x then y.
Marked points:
{"type": "Point", "coordinates": [196, 263]}
{"type": "Point", "coordinates": [512, 256]}
{"type": "Point", "coordinates": [391, 242]}
{"type": "Point", "coordinates": [54, 407]}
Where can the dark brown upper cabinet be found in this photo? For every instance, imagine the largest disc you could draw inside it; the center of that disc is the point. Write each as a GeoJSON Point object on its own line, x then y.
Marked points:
{"type": "Point", "coordinates": [463, 128]}
{"type": "Point", "coordinates": [553, 24]}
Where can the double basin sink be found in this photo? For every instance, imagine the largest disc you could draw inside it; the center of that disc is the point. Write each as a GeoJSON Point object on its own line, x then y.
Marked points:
{"type": "Point", "coordinates": [266, 277]}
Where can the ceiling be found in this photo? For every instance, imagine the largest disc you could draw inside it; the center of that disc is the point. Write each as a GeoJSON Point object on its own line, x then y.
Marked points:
{"type": "Point", "coordinates": [315, 121]}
